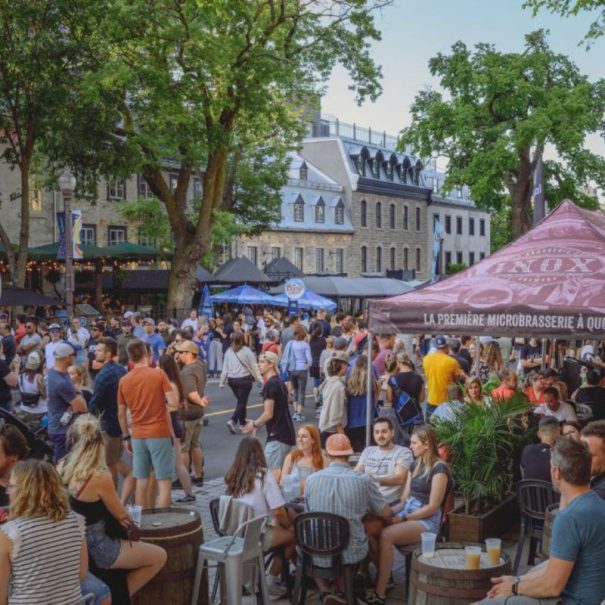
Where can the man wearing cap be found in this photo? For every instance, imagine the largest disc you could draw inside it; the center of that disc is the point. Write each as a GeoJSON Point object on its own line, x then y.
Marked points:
{"type": "Point", "coordinates": [115, 327]}
{"type": "Point", "coordinates": [340, 490]}
{"type": "Point", "coordinates": [440, 370]}
{"type": "Point", "coordinates": [193, 380]}
{"type": "Point", "coordinates": [155, 341]}
{"type": "Point", "coordinates": [63, 399]}
{"type": "Point", "coordinates": [281, 436]}
{"type": "Point", "coordinates": [31, 341]}
{"type": "Point", "coordinates": [49, 350]}
{"type": "Point", "coordinates": [123, 340]}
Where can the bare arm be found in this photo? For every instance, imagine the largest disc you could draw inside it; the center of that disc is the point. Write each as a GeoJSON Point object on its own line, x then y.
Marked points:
{"type": "Point", "coordinates": [399, 477]}
{"type": "Point", "coordinates": [83, 560]}
{"type": "Point", "coordinates": [107, 492]}
{"type": "Point", "coordinates": [78, 404]}
{"type": "Point", "coordinates": [406, 494]}
{"type": "Point", "coordinates": [438, 489]}
{"type": "Point", "coordinates": [268, 411]}
{"type": "Point", "coordinates": [11, 379]}
{"type": "Point", "coordinates": [6, 547]}
{"type": "Point", "coordinates": [286, 469]}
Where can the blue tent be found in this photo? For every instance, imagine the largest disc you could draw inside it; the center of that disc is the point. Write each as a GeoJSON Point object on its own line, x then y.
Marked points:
{"type": "Point", "coordinates": [205, 309]}
{"type": "Point", "coordinates": [242, 295]}
{"type": "Point", "coordinates": [309, 300]}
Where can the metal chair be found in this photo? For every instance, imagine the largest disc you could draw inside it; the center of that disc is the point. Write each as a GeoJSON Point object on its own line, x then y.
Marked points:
{"type": "Point", "coordinates": [322, 535]}
{"type": "Point", "coordinates": [232, 552]}
{"type": "Point", "coordinates": [534, 496]}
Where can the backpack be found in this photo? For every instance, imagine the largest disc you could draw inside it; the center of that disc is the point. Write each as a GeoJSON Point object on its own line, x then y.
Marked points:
{"type": "Point", "coordinates": [408, 410]}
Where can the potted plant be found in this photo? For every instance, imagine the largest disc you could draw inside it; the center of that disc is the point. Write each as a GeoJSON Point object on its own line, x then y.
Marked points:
{"type": "Point", "coordinates": [483, 443]}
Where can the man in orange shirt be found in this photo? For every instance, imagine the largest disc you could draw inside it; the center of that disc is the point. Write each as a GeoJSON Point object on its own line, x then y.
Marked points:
{"type": "Point", "coordinates": [508, 386]}
{"type": "Point", "coordinates": [148, 395]}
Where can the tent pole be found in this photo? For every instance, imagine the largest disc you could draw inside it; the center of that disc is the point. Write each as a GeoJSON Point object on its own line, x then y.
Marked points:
{"type": "Point", "coordinates": [477, 362]}
{"type": "Point", "coordinates": [544, 344]}
{"type": "Point", "coordinates": [369, 393]}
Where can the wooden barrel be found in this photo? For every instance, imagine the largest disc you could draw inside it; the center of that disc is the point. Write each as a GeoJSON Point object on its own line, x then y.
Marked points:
{"type": "Point", "coordinates": [179, 531]}
{"type": "Point", "coordinates": [444, 580]}
{"type": "Point", "coordinates": [549, 518]}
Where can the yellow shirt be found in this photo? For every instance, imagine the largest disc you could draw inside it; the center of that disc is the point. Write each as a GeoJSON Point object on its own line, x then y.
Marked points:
{"type": "Point", "coordinates": [440, 370]}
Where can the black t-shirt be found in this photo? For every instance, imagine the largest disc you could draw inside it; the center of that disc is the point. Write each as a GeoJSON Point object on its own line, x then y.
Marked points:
{"type": "Point", "coordinates": [530, 353]}
{"type": "Point", "coordinates": [3, 496]}
{"type": "Point", "coordinates": [464, 363]}
{"type": "Point", "coordinates": [317, 345]}
{"type": "Point", "coordinates": [466, 355]}
{"type": "Point", "coordinates": [411, 383]}
{"type": "Point", "coordinates": [280, 427]}
{"type": "Point", "coordinates": [5, 390]}
{"type": "Point", "coordinates": [420, 485]}
{"type": "Point", "coordinates": [595, 398]}
{"type": "Point", "coordinates": [325, 327]}
{"type": "Point", "coordinates": [9, 347]}
{"type": "Point", "coordinates": [535, 461]}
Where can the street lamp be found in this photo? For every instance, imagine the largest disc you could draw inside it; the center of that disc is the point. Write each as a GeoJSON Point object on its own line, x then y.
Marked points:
{"type": "Point", "coordinates": [67, 184]}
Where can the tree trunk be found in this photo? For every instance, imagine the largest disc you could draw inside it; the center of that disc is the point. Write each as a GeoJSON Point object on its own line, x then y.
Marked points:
{"type": "Point", "coordinates": [182, 282]}
{"type": "Point", "coordinates": [21, 265]}
{"type": "Point", "coordinates": [521, 196]}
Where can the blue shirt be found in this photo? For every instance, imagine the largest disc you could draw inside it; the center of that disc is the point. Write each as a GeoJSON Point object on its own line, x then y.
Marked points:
{"type": "Point", "coordinates": [578, 535]}
{"type": "Point", "coordinates": [61, 391]}
{"type": "Point", "coordinates": [157, 344]}
{"type": "Point", "coordinates": [104, 400]}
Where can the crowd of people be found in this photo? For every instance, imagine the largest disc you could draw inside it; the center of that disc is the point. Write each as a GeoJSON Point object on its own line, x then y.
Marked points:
{"type": "Point", "coordinates": [122, 400]}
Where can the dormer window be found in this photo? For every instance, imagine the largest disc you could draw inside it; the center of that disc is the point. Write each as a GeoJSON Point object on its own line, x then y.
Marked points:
{"type": "Point", "coordinates": [303, 172]}
{"type": "Point", "coordinates": [339, 214]}
{"type": "Point", "coordinates": [299, 210]}
{"type": "Point", "coordinates": [320, 211]}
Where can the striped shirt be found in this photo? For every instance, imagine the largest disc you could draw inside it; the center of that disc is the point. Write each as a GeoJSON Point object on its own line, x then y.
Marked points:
{"type": "Point", "coordinates": [45, 560]}
{"type": "Point", "coordinates": [340, 490]}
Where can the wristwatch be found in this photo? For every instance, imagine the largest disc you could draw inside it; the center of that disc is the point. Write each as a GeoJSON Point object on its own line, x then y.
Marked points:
{"type": "Point", "coordinates": [515, 586]}
{"type": "Point", "coordinates": [127, 438]}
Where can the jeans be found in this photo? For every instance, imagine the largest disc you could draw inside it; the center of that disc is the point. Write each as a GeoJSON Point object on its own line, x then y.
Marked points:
{"type": "Point", "coordinates": [60, 449]}
{"type": "Point", "coordinates": [298, 378]}
{"type": "Point", "coordinates": [241, 388]}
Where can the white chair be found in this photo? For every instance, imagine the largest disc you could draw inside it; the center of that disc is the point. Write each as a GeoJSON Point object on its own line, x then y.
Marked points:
{"type": "Point", "coordinates": [231, 553]}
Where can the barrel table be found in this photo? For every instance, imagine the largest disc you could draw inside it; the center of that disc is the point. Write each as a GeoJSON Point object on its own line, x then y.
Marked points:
{"type": "Point", "coordinates": [179, 531]}
{"type": "Point", "coordinates": [549, 519]}
{"type": "Point", "coordinates": [444, 580]}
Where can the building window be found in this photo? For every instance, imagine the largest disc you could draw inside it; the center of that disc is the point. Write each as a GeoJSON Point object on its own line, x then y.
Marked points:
{"type": "Point", "coordinates": [144, 239]}
{"type": "Point", "coordinates": [458, 225]}
{"type": "Point", "coordinates": [299, 210]}
{"type": "Point", "coordinates": [471, 258]}
{"type": "Point", "coordinates": [197, 189]}
{"type": "Point", "coordinates": [339, 214]}
{"type": "Point", "coordinates": [406, 258]}
{"type": "Point", "coordinates": [116, 235]}
{"type": "Point", "coordinates": [252, 253]}
{"type": "Point", "coordinates": [392, 216]}
{"type": "Point", "coordinates": [299, 258]}
{"type": "Point", "coordinates": [116, 190]}
{"type": "Point", "coordinates": [481, 255]}
{"type": "Point", "coordinates": [418, 260]}
{"type": "Point", "coordinates": [471, 226]}
{"type": "Point", "coordinates": [303, 172]}
{"type": "Point", "coordinates": [378, 259]}
{"type": "Point", "coordinates": [448, 223]}
{"type": "Point", "coordinates": [378, 215]}
{"type": "Point", "coordinates": [448, 259]}
{"type": "Point", "coordinates": [418, 225]}
{"type": "Point", "coordinates": [436, 185]}
{"type": "Point", "coordinates": [435, 221]}
{"type": "Point", "coordinates": [173, 181]}
{"type": "Point", "coordinates": [143, 189]}
{"type": "Point", "coordinates": [364, 259]}
{"type": "Point", "coordinates": [459, 258]}
{"type": "Point", "coordinates": [406, 218]}
{"type": "Point", "coordinates": [35, 196]}
{"type": "Point", "coordinates": [482, 227]}
{"type": "Point", "coordinates": [393, 259]}
{"type": "Point", "coordinates": [459, 192]}
{"type": "Point", "coordinates": [364, 213]}
{"type": "Point", "coordinates": [320, 211]}
{"type": "Point", "coordinates": [275, 252]}
{"type": "Point", "coordinates": [88, 235]}
{"type": "Point", "coordinates": [339, 260]}
{"type": "Point", "coordinates": [319, 260]}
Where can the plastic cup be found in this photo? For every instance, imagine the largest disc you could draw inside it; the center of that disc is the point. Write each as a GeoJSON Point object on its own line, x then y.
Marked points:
{"type": "Point", "coordinates": [136, 513]}
{"type": "Point", "coordinates": [428, 544]}
{"type": "Point", "coordinates": [473, 557]}
{"type": "Point", "coordinates": [493, 547]}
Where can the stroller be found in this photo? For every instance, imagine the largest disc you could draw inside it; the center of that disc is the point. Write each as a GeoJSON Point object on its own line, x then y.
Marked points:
{"type": "Point", "coordinates": [38, 447]}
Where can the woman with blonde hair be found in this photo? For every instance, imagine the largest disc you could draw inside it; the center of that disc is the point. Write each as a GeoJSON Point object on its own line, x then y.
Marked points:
{"type": "Point", "coordinates": [357, 388]}
{"type": "Point", "coordinates": [493, 359]}
{"type": "Point", "coordinates": [306, 458]}
{"type": "Point", "coordinates": [474, 391]}
{"type": "Point", "coordinates": [81, 378]}
{"type": "Point", "coordinates": [420, 508]}
{"type": "Point", "coordinates": [93, 495]}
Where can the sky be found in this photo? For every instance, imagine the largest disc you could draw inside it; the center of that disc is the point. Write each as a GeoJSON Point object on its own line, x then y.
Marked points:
{"type": "Point", "coordinates": [413, 32]}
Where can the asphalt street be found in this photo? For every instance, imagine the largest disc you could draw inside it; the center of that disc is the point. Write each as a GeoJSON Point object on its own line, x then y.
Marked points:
{"type": "Point", "coordinates": [218, 443]}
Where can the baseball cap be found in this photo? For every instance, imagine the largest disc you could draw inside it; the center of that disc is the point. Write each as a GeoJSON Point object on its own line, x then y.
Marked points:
{"type": "Point", "coordinates": [54, 327]}
{"type": "Point", "coordinates": [441, 342]}
{"type": "Point", "coordinates": [339, 445]}
{"type": "Point", "coordinates": [340, 356]}
{"type": "Point", "coordinates": [340, 343]}
{"type": "Point", "coordinates": [269, 357]}
{"type": "Point", "coordinates": [187, 346]}
{"type": "Point", "coordinates": [64, 350]}
{"type": "Point", "coordinates": [125, 321]}
{"type": "Point", "coordinates": [128, 314]}
{"type": "Point", "coordinates": [33, 361]}
{"type": "Point", "coordinates": [149, 320]}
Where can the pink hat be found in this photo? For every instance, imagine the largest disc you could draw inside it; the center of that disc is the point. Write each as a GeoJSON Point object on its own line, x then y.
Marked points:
{"type": "Point", "coordinates": [339, 445]}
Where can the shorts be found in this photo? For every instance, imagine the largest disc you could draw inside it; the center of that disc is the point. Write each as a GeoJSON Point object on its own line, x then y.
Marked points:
{"type": "Point", "coordinates": [103, 550]}
{"type": "Point", "coordinates": [267, 538]}
{"type": "Point", "coordinates": [177, 424]}
{"type": "Point", "coordinates": [192, 436]}
{"type": "Point", "coordinates": [156, 453]}
{"type": "Point", "coordinates": [275, 453]}
{"type": "Point", "coordinates": [92, 585]}
{"type": "Point", "coordinates": [433, 523]}
{"type": "Point", "coordinates": [113, 449]}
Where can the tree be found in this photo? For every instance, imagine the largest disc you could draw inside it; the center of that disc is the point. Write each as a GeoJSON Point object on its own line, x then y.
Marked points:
{"type": "Point", "coordinates": [201, 79]}
{"type": "Point", "coordinates": [499, 113]}
{"type": "Point", "coordinates": [567, 8]}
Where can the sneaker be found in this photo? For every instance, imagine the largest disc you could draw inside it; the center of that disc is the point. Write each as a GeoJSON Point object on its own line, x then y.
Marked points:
{"type": "Point", "coordinates": [197, 480]}
{"type": "Point", "coordinates": [301, 418]}
{"type": "Point", "coordinates": [371, 599]}
{"type": "Point", "coordinates": [231, 426]}
{"type": "Point", "coordinates": [185, 499]}
{"type": "Point", "coordinates": [331, 598]}
{"type": "Point", "coordinates": [295, 416]}
{"type": "Point", "coordinates": [176, 484]}
{"type": "Point", "coordinates": [274, 586]}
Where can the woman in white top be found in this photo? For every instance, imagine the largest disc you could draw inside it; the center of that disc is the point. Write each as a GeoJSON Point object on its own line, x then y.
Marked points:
{"type": "Point", "coordinates": [32, 390]}
{"type": "Point", "coordinates": [240, 371]}
{"type": "Point", "coordinates": [299, 360]}
{"type": "Point", "coordinates": [43, 554]}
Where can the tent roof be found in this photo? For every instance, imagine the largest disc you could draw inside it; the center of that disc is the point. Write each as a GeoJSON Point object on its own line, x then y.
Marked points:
{"type": "Point", "coordinates": [130, 251]}
{"type": "Point", "coordinates": [548, 282]}
{"type": "Point", "coordinates": [240, 271]}
{"type": "Point", "coordinates": [351, 287]}
{"type": "Point", "coordinates": [203, 275]}
{"type": "Point", "coordinates": [13, 296]}
{"type": "Point", "coordinates": [281, 268]}
{"type": "Point", "coordinates": [50, 251]}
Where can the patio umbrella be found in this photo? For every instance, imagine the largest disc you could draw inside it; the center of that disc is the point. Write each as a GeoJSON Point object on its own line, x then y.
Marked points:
{"type": "Point", "coordinates": [50, 251]}
{"type": "Point", "coordinates": [130, 251]}
{"type": "Point", "coordinates": [205, 309]}
{"type": "Point", "coordinates": [242, 295]}
{"type": "Point", "coordinates": [309, 300]}
{"type": "Point", "coordinates": [13, 296]}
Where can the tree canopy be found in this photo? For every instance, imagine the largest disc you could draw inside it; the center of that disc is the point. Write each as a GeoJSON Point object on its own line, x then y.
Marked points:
{"type": "Point", "coordinates": [497, 113]}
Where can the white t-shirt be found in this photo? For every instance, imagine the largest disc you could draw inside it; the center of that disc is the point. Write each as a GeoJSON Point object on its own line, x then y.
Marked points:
{"type": "Point", "coordinates": [380, 462]}
{"type": "Point", "coordinates": [79, 338]}
{"type": "Point", "coordinates": [265, 496]}
{"type": "Point", "coordinates": [190, 323]}
{"type": "Point", "coordinates": [49, 353]}
{"type": "Point", "coordinates": [564, 413]}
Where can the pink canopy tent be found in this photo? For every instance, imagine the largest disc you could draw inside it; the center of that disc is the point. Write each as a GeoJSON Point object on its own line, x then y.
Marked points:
{"type": "Point", "coordinates": [549, 282]}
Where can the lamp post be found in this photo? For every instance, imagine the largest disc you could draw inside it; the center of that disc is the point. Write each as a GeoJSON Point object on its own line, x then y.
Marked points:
{"type": "Point", "coordinates": [67, 184]}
